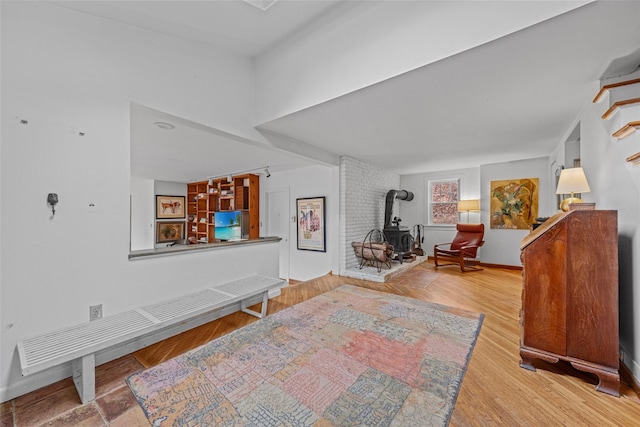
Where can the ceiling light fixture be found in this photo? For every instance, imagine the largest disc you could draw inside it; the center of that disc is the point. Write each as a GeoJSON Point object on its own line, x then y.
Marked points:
{"type": "Point", "coordinates": [261, 4]}
{"type": "Point", "coordinates": [165, 125]}
{"type": "Point", "coordinates": [229, 176]}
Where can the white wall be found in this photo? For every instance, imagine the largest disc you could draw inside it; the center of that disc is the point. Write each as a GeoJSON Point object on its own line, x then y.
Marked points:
{"type": "Point", "coordinates": [67, 73]}
{"type": "Point", "coordinates": [142, 213]}
{"type": "Point", "coordinates": [362, 204]}
{"type": "Point", "coordinates": [615, 184]}
{"type": "Point", "coordinates": [312, 181]}
{"type": "Point", "coordinates": [308, 69]}
{"type": "Point", "coordinates": [502, 246]}
{"type": "Point", "coordinates": [417, 211]}
{"type": "Point", "coordinates": [166, 188]}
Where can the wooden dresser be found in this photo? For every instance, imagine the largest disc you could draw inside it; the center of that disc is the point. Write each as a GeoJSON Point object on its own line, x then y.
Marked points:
{"type": "Point", "coordinates": [570, 294]}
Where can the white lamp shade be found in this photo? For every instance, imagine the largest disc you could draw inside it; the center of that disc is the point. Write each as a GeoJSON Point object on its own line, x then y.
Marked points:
{"type": "Point", "coordinates": [468, 205]}
{"type": "Point", "coordinates": [572, 180]}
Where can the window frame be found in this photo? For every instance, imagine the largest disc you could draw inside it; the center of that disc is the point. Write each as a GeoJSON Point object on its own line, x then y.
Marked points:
{"type": "Point", "coordinates": [430, 203]}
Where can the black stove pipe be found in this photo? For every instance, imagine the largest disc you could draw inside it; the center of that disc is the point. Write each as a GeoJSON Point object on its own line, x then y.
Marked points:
{"type": "Point", "coordinates": [391, 196]}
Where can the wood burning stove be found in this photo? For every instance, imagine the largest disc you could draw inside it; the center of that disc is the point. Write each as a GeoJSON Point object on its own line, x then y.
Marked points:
{"type": "Point", "coordinates": [395, 234]}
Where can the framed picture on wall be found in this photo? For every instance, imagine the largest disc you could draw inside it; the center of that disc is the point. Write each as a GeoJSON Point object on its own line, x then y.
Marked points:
{"type": "Point", "coordinates": [167, 232]}
{"type": "Point", "coordinates": [168, 207]}
{"type": "Point", "coordinates": [514, 203]}
{"type": "Point", "coordinates": [312, 235]}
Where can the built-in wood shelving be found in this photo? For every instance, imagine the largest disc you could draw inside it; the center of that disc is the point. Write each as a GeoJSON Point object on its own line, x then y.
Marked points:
{"type": "Point", "coordinates": [205, 198]}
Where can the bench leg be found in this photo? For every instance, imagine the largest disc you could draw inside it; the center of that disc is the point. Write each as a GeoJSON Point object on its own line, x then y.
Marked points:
{"type": "Point", "coordinates": [84, 377]}
{"type": "Point", "coordinates": [263, 312]}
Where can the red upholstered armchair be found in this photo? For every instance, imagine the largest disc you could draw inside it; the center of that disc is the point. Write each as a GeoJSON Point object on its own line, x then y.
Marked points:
{"type": "Point", "coordinates": [464, 248]}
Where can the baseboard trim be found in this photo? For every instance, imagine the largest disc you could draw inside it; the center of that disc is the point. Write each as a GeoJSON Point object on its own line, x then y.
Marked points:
{"type": "Point", "coordinates": [484, 264]}
{"type": "Point", "coordinates": [628, 377]}
{"type": "Point", "coordinates": [49, 376]}
{"type": "Point", "coordinates": [506, 267]}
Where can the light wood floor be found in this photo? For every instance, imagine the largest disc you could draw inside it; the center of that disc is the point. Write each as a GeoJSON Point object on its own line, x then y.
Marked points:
{"type": "Point", "coordinates": [495, 390]}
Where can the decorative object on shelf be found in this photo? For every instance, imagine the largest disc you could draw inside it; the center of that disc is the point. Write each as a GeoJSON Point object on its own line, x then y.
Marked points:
{"type": "Point", "coordinates": [52, 199]}
{"type": "Point", "coordinates": [169, 231]}
{"type": "Point", "coordinates": [170, 207]}
{"type": "Point", "coordinates": [572, 181]}
{"type": "Point", "coordinates": [215, 195]}
{"type": "Point", "coordinates": [470, 205]}
{"type": "Point", "coordinates": [582, 206]}
{"type": "Point", "coordinates": [514, 203]}
{"type": "Point", "coordinates": [311, 228]}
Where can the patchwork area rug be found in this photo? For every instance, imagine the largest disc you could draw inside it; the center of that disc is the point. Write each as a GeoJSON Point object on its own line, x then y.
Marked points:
{"type": "Point", "coordinates": [349, 357]}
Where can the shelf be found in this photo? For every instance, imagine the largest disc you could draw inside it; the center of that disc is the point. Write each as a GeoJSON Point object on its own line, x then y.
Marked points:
{"type": "Point", "coordinates": [242, 193]}
{"type": "Point", "coordinates": [617, 105]}
{"type": "Point", "coordinates": [626, 130]}
{"type": "Point", "coordinates": [635, 158]}
{"type": "Point", "coordinates": [608, 87]}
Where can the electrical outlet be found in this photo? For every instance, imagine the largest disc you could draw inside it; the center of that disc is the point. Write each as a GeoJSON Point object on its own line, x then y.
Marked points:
{"type": "Point", "coordinates": [95, 312]}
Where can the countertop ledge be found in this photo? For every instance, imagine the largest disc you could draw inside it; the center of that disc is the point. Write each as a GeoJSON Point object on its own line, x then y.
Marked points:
{"type": "Point", "coordinates": [182, 249]}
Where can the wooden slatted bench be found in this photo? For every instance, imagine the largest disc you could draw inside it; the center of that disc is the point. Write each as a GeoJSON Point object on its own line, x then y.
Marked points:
{"type": "Point", "coordinates": [78, 344]}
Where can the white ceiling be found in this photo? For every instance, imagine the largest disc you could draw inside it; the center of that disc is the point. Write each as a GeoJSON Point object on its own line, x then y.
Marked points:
{"type": "Point", "coordinates": [513, 98]}
{"type": "Point", "coordinates": [237, 26]}
{"type": "Point", "coordinates": [509, 99]}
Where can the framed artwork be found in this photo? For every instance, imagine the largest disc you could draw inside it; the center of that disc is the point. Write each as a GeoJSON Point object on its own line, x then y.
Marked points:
{"type": "Point", "coordinates": [312, 234]}
{"type": "Point", "coordinates": [168, 207]}
{"type": "Point", "coordinates": [167, 232]}
{"type": "Point", "coordinates": [514, 203]}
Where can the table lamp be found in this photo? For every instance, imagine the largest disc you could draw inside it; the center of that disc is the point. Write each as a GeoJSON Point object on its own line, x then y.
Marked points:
{"type": "Point", "coordinates": [572, 180]}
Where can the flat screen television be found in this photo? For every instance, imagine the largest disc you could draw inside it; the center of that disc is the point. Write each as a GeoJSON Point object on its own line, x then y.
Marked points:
{"type": "Point", "coordinates": [231, 225]}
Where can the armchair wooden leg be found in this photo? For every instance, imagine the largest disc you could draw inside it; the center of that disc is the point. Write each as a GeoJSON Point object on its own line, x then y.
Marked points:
{"type": "Point", "coordinates": [470, 266]}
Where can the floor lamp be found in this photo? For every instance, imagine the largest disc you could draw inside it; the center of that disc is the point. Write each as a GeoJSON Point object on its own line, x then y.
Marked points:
{"type": "Point", "coordinates": [468, 205]}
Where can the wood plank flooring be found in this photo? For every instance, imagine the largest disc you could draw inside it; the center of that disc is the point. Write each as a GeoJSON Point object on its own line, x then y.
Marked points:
{"type": "Point", "coordinates": [495, 390]}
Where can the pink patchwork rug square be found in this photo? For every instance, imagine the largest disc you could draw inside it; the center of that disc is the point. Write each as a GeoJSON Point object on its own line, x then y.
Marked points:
{"type": "Point", "coordinates": [349, 357]}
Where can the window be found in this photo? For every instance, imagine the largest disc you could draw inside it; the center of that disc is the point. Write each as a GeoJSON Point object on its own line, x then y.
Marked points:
{"type": "Point", "coordinates": [443, 201]}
